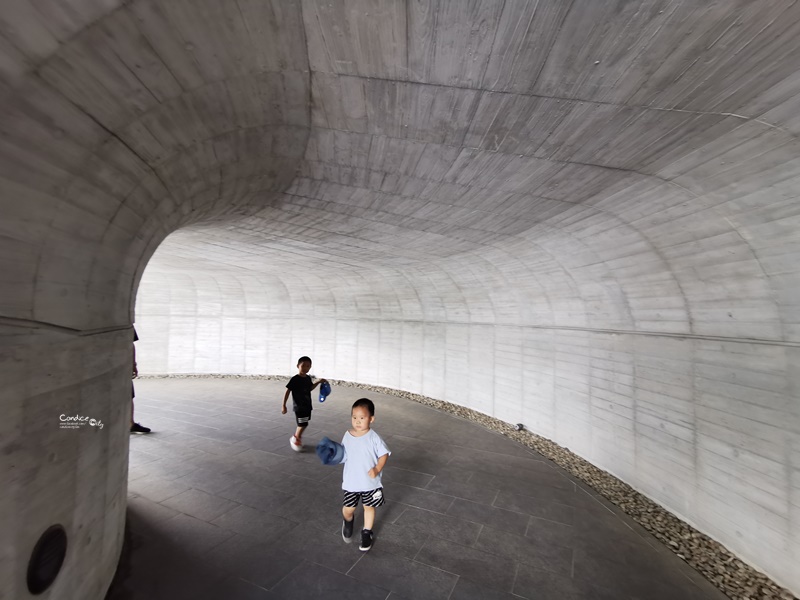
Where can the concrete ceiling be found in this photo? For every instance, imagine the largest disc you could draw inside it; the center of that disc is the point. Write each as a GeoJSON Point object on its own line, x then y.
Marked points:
{"type": "Point", "coordinates": [569, 147]}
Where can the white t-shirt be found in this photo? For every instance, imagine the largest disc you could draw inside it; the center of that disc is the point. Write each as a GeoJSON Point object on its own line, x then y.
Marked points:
{"type": "Point", "coordinates": [361, 454]}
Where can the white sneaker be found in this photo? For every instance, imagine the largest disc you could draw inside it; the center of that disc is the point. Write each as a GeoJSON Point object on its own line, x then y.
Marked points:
{"type": "Point", "coordinates": [296, 446]}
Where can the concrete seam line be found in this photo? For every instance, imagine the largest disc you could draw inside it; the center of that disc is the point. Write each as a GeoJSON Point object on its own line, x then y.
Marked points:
{"type": "Point", "coordinates": [33, 324]}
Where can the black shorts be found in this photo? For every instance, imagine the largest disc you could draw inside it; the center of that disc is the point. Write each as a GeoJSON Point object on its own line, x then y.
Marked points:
{"type": "Point", "coordinates": [302, 418]}
{"type": "Point", "coordinates": [371, 498]}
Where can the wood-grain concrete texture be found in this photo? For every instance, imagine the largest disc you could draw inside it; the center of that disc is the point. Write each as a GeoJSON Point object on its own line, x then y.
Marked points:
{"type": "Point", "coordinates": [581, 215]}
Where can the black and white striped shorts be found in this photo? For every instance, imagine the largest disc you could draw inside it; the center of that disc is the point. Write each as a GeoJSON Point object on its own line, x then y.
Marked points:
{"type": "Point", "coordinates": [371, 498]}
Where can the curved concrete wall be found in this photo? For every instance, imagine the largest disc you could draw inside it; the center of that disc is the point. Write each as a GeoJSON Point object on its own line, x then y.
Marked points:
{"type": "Point", "coordinates": [580, 215]}
{"type": "Point", "coordinates": [119, 123]}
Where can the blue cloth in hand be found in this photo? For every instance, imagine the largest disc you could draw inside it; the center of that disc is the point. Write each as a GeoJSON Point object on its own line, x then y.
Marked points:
{"type": "Point", "coordinates": [330, 452]}
{"type": "Point", "coordinates": [324, 391]}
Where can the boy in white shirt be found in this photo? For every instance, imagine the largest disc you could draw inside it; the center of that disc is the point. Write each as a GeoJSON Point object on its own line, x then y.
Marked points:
{"type": "Point", "coordinates": [365, 457]}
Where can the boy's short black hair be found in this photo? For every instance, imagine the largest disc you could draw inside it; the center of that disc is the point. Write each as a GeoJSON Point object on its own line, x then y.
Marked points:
{"type": "Point", "coordinates": [301, 359]}
{"type": "Point", "coordinates": [366, 403]}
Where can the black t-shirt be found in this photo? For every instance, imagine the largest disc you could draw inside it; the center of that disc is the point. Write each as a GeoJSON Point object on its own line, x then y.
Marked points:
{"type": "Point", "coordinates": [301, 393]}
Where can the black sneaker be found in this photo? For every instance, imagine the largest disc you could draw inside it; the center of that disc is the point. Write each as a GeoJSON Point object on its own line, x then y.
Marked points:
{"type": "Point", "coordinates": [347, 529]}
{"type": "Point", "coordinates": [366, 540]}
{"type": "Point", "coordinates": [136, 428]}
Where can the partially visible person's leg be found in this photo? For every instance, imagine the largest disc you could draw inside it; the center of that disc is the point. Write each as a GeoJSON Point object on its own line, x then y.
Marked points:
{"type": "Point", "coordinates": [369, 517]}
{"type": "Point", "coordinates": [349, 514]}
{"type": "Point", "coordinates": [302, 423]}
{"type": "Point", "coordinates": [370, 500]}
{"type": "Point", "coordinates": [135, 427]}
{"type": "Point", "coordinates": [366, 534]}
{"type": "Point", "coordinates": [296, 441]}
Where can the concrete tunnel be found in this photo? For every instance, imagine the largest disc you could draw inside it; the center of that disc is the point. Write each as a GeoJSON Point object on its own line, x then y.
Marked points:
{"type": "Point", "coordinates": [580, 215]}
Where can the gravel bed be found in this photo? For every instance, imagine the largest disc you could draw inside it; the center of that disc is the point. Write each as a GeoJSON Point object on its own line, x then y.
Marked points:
{"type": "Point", "coordinates": [732, 576]}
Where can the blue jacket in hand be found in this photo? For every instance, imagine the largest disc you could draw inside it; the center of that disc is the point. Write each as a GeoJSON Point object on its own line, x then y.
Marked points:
{"type": "Point", "coordinates": [324, 391]}
{"type": "Point", "coordinates": [330, 452]}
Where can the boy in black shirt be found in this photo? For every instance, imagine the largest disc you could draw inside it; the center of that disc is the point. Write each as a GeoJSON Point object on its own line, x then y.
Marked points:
{"type": "Point", "coordinates": [300, 387]}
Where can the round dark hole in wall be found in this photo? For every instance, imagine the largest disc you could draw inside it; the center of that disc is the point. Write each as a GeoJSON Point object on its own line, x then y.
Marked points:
{"type": "Point", "coordinates": [47, 558]}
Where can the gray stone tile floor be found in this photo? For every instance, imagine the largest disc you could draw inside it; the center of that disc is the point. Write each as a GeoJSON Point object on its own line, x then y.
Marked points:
{"type": "Point", "coordinates": [221, 508]}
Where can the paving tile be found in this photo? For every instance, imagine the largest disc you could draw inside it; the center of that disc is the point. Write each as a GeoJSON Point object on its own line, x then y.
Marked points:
{"type": "Point", "coordinates": [209, 480]}
{"type": "Point", "coordinates": [391, 511]}
{"type": "Point", "coordinates": [265, 440]}
{"type": "Point", "coordinates": [545, 493]}
{"type": "Point", "coordinates": [707, 590]}
{"type": "Point", "coordinates": [477, 489]}
{"type": "Point", "coordinates": [166, 448]}
{"type": "Point", "coordinates": [306, 463]}
{"type": "Point", "coordinates": [528, 551]}
{"type": "Point", "coordinates": [192, 535]}
{"type": "Point", "coordinates": [471, 438]}
{"type": "Point", "coordinates": [315, 582]}
{"type": "Point", "coordinates": [255, 496]}
{"type": "Point", "coordinates": [543, 509]}
{"type": "Point", "coordinates": [155, 488]}
{"type": "Point", "coordinates": [468, 590]}
{"type": "Point", "coordinates": [200, 504]}
{"type": "Point", "coordinates": [551, 532]}
{"type": "Point", "coordinates": [534, 482]}
{"type": "Point", "coordinates": [138, 458]}
{"type": "Point", "coordinates": [600, 516]}
{"type": "Point", "coordinates": [251, 472]}
{"type": "Point", "coordinates": [489, 571]}
{"type": "Point", "coordinates": [297, 485]}
{"type": "Point", "coordinates": [497, 518]}
{"type": "Point", "coordinates": [433, 501]}
{"type": "Point", "coordinates": [456, 474]}
{"type": "Point", "coordinates": [261, 564]}
{"type": "Point", "coordinates": [218, 447]}
{"type": "Point", "coordinates": [182, 426]}
{"type": "Point", "coordinates": [322, 512]}
{"type": "Point", "coordinates": [262, 458]}
{"type": "Point", "coordinates": [170, 469]}
{"type": "Point", "coordinates": [405, 477]}
{"type": "Point", "coordinates": [249, 521]}
{"type": "Point", "coordinates": [152, 581]}
{"type": "Point", "coordinates": [606, 534]}
{"type": "Point", "coordinates": [619, 550]}
{"type": "Point", "coordinates": [420, 459]}
{"type": "Point", "coordinates": [142, 510]}
{"type": "Point", "coordinates": [321, 547]}
{"type": "Point", "coordinates": [222, 464]}
{"type": "Point", "coordinates": [640, 578]}
{"type": "Point", "coordinates": [536, 583]}
{"type": "Point", "coordinates": [137, 472]}
{"type": "Point", "coordinates": [444, 527]}
{"type": "Point", "coordinates": [234, 588]}
{"type": "Point", "coordinates": [502, 464]}
{"type": "Point", "coordinates": [397, 539]}
{"type": "Point", "coordinates": [403, 576]}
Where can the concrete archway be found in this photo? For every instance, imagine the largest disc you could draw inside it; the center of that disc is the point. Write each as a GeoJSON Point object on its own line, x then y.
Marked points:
{"type": "Point", "coordinates": [589, 209]}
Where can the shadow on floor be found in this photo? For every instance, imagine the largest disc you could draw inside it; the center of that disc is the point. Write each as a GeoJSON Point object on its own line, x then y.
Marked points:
{"type": "Point", "coordinates": [220, 508]}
